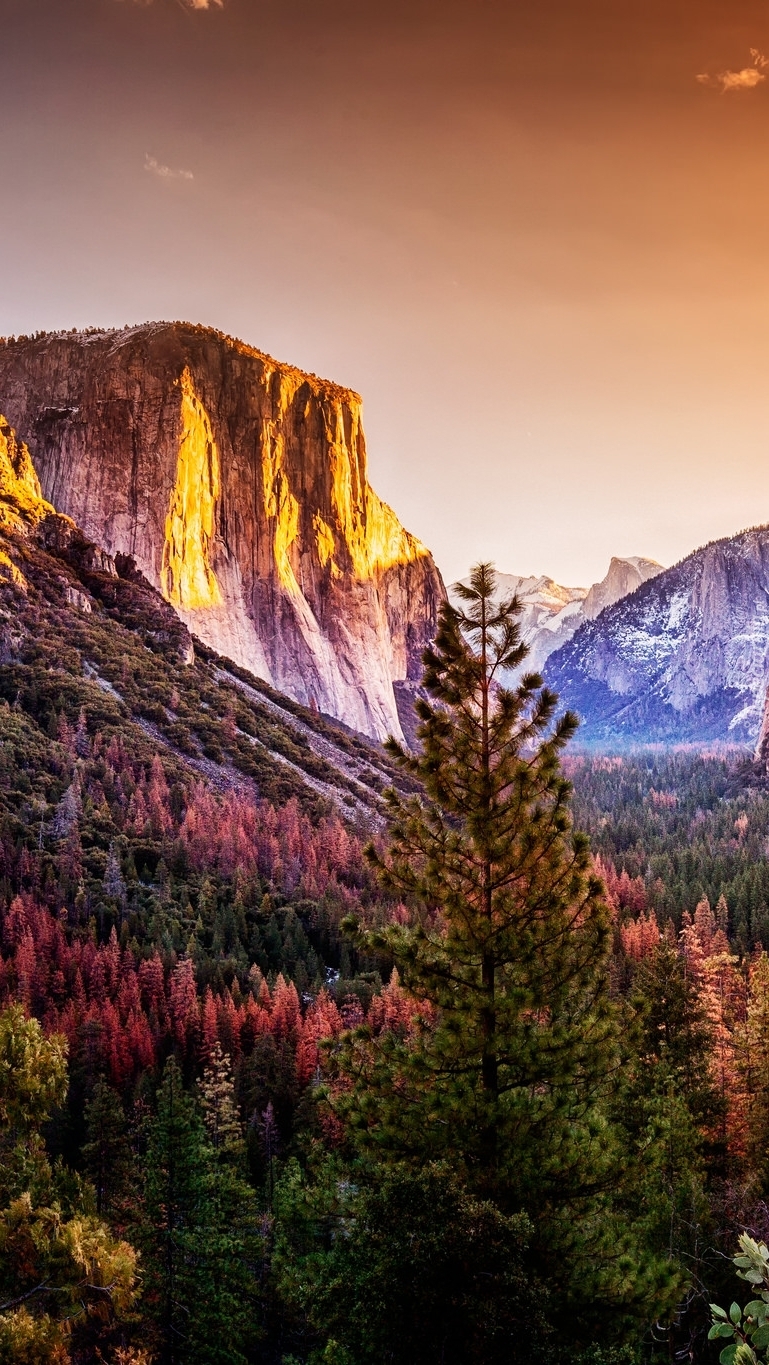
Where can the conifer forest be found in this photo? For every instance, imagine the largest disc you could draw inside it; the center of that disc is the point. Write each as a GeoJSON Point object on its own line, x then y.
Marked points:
{"type": "Point", "coordinates": [465, 1058]}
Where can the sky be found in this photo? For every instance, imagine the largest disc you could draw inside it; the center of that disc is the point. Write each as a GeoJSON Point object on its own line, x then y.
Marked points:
{"type": "Point", "coordinates": [531, 233]}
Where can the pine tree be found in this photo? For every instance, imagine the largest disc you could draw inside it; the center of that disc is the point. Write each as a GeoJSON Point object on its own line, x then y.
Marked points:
{"type": "Point", "coordinates": [423, 1273]}
{"type": "Point", "coordinates": [202, 1244]}
{"type": "Point", "coordinates": [114, 885]}
{"type": "Point", "coordinates": [670, 1109]}
{"type": "Point", "coordinates": [676, 1041]}
{"type": "Point", "coordinates": [68, 811]}
{"type": "Point", "coordinates": [507, 1072]}
{"type": "Point", "coordinates": [220, 1110]}
{"type": "Point", "coordinates": [63, 1277]}
{"type": "Point", "coordinates": [176, 1203]}
{"type": "Point", "coordinates": [753, 1068]}
{"type": "Point", "coordinates": [107, 1151]}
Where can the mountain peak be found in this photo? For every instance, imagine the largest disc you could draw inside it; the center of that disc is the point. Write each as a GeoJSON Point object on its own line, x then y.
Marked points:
{"type": "Point", "coordinates": [624, 575]}
{"type": "Point", "coordinates": [682, 658]}
{"type": "Point", "coordinates": [552, 614]}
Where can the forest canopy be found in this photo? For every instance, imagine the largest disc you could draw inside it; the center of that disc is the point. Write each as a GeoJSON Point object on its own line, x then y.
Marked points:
{"type": "Point", "coordinates": [491, 1092]}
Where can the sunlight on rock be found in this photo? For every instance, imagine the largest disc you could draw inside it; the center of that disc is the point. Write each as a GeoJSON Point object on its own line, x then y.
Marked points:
{"type": "Point", "coordinates": [187, 577]}
{"type": "Point", "coordinates": [21, 498]}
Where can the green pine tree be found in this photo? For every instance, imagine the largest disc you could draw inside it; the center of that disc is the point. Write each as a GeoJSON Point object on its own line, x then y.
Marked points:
{"type": "Point", "coordinates": [508, 1073]}
{"type": "Point", "coordinates": [176, 1213]}
{"type": "Point", "coordinates": [424, 1272]}
{"type": "Point", "coordinates": [107, 1152]}
{"type": "Point", "coordinates": [676, 1038]}
{"type": "Point", "coordinates": [202, 1238]}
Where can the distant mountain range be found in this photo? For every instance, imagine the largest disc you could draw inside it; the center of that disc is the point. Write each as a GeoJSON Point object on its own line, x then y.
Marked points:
{"type": "Point", "coordinates": [683, 657]}
{"type": "Point", "coordinates": [552, 614]}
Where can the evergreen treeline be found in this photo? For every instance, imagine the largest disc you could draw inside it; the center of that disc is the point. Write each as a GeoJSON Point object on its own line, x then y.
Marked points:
{"type": "Point", "coordinates": [685, 824]}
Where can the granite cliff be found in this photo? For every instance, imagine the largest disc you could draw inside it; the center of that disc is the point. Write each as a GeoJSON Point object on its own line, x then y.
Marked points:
{"type": "Point", "coordinates": [84, 634]}
{"type": "Point", "coordinates": [685, 657]}
{"type": "Point", "coordinates": [21, 499]}
{"type": "Point", "coordinates": [622, 577]}
{"type": "Point", "coordinates": [238, 485]}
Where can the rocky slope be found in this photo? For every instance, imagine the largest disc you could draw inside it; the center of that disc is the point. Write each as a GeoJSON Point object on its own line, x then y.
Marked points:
{"type": "Point", "coordinates": [683, 658]}
{"type": "Point", "coordinates": [239, 488]}
{"type": "Point", "coordinates": [552, 613]}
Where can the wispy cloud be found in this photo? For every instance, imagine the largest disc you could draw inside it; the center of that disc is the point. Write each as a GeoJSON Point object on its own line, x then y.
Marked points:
{"type": "Point", "coordinates": [746, 79]}
{"type": "Point", "coordinates": [189, 4]}
{"type": "Point", "coordinates": [156, 167]}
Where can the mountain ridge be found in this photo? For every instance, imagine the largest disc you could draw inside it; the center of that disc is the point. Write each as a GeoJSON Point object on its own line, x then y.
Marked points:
{"type": "Point", "coordinates": [683, 658]}
{"type": "Point", "coordinates": [552, 613]}
{"type": "Point", "coordinates": [84, 633]}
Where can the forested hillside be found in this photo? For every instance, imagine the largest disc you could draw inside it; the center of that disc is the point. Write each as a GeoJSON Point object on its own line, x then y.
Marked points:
{"type": "Point", "coordinates": [679, 825]}
{"type": "Point", "coordinates": [203, 1156]}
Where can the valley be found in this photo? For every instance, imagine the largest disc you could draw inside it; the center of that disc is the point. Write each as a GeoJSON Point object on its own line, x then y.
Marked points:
{"type": "Point", "coordinates": [203, 904]}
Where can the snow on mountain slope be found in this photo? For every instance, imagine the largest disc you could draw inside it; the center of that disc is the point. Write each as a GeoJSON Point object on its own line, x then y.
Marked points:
{"type": "Point", "coordinates": [685, 657]}
{"type": "Point", "coordinates": [552, 614]}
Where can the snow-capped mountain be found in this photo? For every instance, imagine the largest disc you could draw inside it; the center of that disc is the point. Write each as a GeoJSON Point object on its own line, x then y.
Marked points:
{"type": "Point", "coordinates": [684, 657]}
{"type": "Point", "coordinates": [552, 613]}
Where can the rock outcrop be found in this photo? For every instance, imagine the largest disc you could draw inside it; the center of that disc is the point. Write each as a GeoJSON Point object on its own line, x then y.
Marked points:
{"type": "Point", "coordinates": [622, 577]}
{"type": "Point", "coordinates": [81, 632]}
{"type": "Point", "coordinates": [238, 486]}
{"type": "Point", "coordinates": [21, 499]}
{"type": "Point", "coordinates": [683, 658]}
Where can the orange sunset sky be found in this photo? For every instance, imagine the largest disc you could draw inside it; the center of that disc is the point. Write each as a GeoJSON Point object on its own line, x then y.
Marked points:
{"type": "Point", "coordinates": [533, 235]}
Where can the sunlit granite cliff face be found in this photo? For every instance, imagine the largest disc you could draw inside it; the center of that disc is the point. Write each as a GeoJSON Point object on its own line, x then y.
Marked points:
{"type": "Point", "coordinates": [21, 499]}
{"type": "Point", "coordinates": [239, 487]}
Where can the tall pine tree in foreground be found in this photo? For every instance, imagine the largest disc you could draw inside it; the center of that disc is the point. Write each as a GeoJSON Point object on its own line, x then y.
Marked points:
{"type": "Point", "coordinates": [508, 1072]}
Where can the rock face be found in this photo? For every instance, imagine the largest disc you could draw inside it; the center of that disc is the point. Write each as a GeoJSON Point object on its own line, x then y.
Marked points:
{"type": "Point", "coordinates": [552, 614]}
{"type": "Point", "coordinates": [683, 658]}
{"type": "Point", "coordinates": [238, 485]}
{"type": "Point", "coordinates": [21, 500]}
{"type": "Point", "coordinates": [622, 578]}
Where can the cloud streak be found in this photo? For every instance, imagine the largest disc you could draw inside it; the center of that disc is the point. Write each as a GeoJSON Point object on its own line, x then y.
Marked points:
{"type": "Point", "coordinates": [189, 4]}
{"type": "Point", "coordinates": [746, 79]}
{"type": "Point", "coordinates": [157, 168]}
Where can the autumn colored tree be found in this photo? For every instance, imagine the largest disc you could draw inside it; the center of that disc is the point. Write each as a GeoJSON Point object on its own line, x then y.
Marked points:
{"type": "Point", "coordinates": [220, 1113]}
